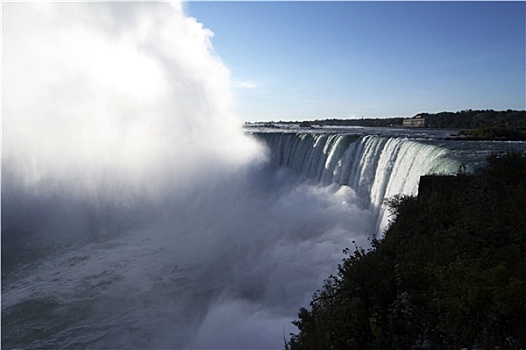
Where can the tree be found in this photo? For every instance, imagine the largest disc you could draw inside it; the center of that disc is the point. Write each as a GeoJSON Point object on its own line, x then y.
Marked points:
{"type": "Point", "coordinates": [451, 271]}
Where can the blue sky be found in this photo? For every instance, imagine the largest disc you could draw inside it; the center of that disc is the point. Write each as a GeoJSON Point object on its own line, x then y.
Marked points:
{"type": "Point", "coordinates": [317, 60]}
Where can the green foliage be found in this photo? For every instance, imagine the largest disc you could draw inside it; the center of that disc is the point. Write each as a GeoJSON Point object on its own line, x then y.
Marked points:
{"type": "Point", "coordinates": [450, 270]}
{"type": "Point", "coordinates": [496, 133]}
{"type": "Point", "coordinates": [474, 119]}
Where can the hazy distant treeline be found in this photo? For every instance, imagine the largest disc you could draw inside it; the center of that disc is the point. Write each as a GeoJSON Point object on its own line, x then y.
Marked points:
{"type": "Point", "coordinates": [465, 119]}
{"type": "Point", "coordinates": [371, 122]}
{"type": "Point", "coordinates": [473, 119]}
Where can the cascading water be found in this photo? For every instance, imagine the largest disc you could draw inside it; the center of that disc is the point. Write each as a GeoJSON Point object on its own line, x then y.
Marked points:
{"type": "Point", "coordinates": [135, 211]}
{"type": "Point", "coordinates": [375, 167]}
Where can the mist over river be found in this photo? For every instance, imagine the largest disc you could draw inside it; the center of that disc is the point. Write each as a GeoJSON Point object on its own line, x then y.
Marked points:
{"type": "Point", "coordinates": [136, 210]}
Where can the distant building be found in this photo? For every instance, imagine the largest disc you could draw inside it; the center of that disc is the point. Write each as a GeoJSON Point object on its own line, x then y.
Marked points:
{"type": "Point", "coordinates": [416, 122]}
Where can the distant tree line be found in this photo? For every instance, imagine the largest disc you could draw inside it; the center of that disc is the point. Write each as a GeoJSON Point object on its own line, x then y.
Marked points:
{"type": "Point", "coordinates": [474, 119]}
{"type": "Point", "coordinates": [449, 274]}
{"type": "Point", "coordinates": [367, 122]}
{"type": "Point", "coordinates": [465, 119]}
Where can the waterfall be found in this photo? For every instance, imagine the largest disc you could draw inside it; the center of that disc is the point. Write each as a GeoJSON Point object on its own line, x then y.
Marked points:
{"type": "Point", "coordinates": [375, 167]}
{"type": "Point", "coordinates": [135, 211]}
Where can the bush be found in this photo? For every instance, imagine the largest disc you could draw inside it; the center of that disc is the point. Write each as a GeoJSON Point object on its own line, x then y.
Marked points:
{"type": "Point", "coordinates": [451, 271]}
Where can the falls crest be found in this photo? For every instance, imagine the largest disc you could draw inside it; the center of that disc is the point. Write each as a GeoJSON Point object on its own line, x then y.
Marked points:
{"type": "Point", "coordinates": [375, 167]}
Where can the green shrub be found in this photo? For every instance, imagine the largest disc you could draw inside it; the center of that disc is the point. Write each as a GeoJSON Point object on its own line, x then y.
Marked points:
{"type": "Point", "coordinates": [451, 270]}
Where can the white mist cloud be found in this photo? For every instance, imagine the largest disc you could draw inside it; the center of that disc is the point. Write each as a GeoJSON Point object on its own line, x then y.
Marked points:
{"type": "Point", "coordinates": [129, 89]}
{"type": "Point", "coordinates": [133, 207]}
{"type": "Point", "coordinates": [227, 268]}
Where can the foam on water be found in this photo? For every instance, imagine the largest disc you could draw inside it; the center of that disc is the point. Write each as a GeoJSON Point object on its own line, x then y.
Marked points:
{"type": "Point", "coordinates": [135, 211]}
{"type": "Point", "coordinates": [375, 167]}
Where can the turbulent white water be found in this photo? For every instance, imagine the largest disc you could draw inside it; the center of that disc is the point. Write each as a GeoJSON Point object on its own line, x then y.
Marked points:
{"type": "Point", "coordinates": [375, 167]}
{"type": "Point", "coordinates": [135, 211]}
